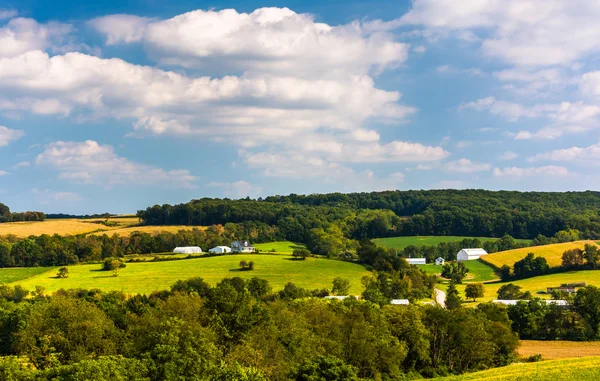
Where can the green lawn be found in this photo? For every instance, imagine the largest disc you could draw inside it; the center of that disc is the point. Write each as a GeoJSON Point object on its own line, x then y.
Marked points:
{"type": "Point", "coordinates": [9, 275]}
{"type": "Point", "coordinates": [281, 247]}
{"type": "Point", "coordinates": [147, 277]}
{"type": "Point", "coordinates": [577, 369]}
{"type": "Point", "coordinates": [400, 243]}
{"type": "Point", "coordinates": [478, 271]}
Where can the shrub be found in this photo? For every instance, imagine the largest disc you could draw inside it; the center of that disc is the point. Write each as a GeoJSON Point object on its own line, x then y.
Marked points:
{"type": "Point", "coordinates": [63, 272]}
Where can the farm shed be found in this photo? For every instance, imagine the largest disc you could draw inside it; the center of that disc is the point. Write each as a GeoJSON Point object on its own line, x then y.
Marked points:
{"type": "Point", "coordinates": [187, 250]}
{"type": "Point", "coordinates": [439, 261]}
{"type": "Point", "coordinates": [470, 254]}
{"type": "Point", "coordinates": [416, 261]}
{"type": "Point", "coordinates": [400, 302]}
{"type": "Point", "coordinates": [242, 247]}
{"type": "Point", "coordinates": [220, 249]}
{"type": "Point", "coordinates": [567, 289]}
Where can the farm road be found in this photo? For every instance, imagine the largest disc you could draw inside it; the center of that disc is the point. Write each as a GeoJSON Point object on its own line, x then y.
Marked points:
{"type": "Point", "coordinates": [440, 298]}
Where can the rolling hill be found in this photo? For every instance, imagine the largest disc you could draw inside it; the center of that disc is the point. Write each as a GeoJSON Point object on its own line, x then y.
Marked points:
{"type": "Point", "coordinates": [400, 243]}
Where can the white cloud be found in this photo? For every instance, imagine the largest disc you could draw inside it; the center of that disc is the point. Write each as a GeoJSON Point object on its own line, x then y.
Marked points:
{"type": "Point", "coordinates": [8, 14]}
{"type": "Point", "coordinates": [238, 189]}
{"type": "Point", "coordinates": [589, 84]}
{"type": "Point", "coordinates": [21, 35]}
{"type": "Point", "coordinates": [4, 173]}
{"type": "Point", "coordinates": [91, 163]}
{"type": "Point", "coordinates": [444, 69]}
{"type": "Point", "coordinates": [512, 111]}
{"type": "Point", "coordinates": [548, 170]}
{"type": "Point", "coordinates": [590, 154]}
{"type": "Point", "coordinates": [508, 155]}
{"type": "Point", "coordinates": [48, 196]}
{"type": "Point", "coordinates": [8, 135]}
{"type": "Point", "coordinates": [22, 164]}
{"type": "Point", "coordinates": [466, 166]}
{"type": "Point", "coordinates": [473, 71]}
{"type": "Point", "coordinates": [420, 49]}
{"type": "Point", "coordinates": [121, 28]}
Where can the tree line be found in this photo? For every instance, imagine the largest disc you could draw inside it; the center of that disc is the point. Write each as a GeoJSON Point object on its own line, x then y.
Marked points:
{"type": "Point", "coordinates": [7, 216]}
{"type": "Point", "coordinates": [241, 330]}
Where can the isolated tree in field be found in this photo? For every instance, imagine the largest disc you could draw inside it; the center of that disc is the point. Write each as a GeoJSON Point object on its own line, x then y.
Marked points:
{"type": "Point", "coordinates": [251, 265]}
{"type": "Point", "coordinates": [300, 253]}
{"type": "Point", "coordinates": [63, 272]}
{"type": "Point", "coordinates": [474, 291]}
{"type": "Point", "coordinates": [455, 271]}
{"type": "Point", "coordinates": [452, 298]}
{"type": "Point", "coordinates": [572, 258]}
{"type": "Point", "coordinates": [510, 292]}
{"type": "Point", "coordinates": [243, 265]}
{"type": "Point", "coordinates": [341, 286]}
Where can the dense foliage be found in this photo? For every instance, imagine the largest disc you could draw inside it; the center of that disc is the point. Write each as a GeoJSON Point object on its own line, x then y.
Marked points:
{"type": "Point", "coordinates": [240, 330]}
{"type": "Point", "coordinates": [7, 216]}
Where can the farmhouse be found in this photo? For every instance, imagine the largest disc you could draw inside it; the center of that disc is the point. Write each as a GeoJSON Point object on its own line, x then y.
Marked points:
{"type": "Point", "coordinates": [400, 302]}
{"type": "Point", "coordinates": [470, 254]}
{"type": "Point", "coordinates": [506, 302]}
{"type": "Point", "coordinates": [187, 250]}
{"type": "Point", "coordinates": [415, 261]}
{"type": "Point", "coordinates": [566, 289]}
{"type": "Point", "coordinates": [242, 247]}
{"type": "Point", "coordinates": [439, 261]}
{"type": "Point", "coordinates": [220, 249]}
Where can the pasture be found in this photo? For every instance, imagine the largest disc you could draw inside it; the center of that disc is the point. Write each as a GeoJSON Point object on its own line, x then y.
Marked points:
{"type": "Point", "coordinates": [399, 243]}
{"type": "Point", "coordinates": [552, 253]}
{"type": "Point", "coordinates": [552, 350]}
{"type": "Point", "coordinates": [280, 247]}
{"type": "Point", "coordinates": [9, 275]}
{"type": "Point", "coordinates": [146, 277]}
{"type": "Point", "coordinates": [478, 271]}
{"type": "Point", "coordinates": [579, 369]}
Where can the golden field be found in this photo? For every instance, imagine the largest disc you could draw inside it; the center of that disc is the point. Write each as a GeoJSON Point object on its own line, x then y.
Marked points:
{"type": "Point", "coordinates": [551, 350]}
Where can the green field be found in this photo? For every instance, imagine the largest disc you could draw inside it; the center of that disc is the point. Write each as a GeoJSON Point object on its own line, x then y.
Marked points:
{"type": "Point", "coordinates": [400, 243]}
{"type": "Point", "coordinates": [553, 253]}
{"type": "Point", "coordinates": [578, 369]}
{"type": "Point", "coordinates": [10, 275]}
{"type": "Point", "coordinates": [144, 278]}
{"type": "Point", "coordinates": [281, 247]}
{"type": "Point", "coordinates": [478, 271]}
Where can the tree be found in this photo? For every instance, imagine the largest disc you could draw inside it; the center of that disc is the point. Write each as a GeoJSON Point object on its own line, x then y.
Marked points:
{"type": "Point", "coordinates": [587, 304]}
{"type": "Point", "coordinates": [505, 273]}
{"type": "Point", "coordinates": [63, 272]}
{"type": "Point", "coordinates": [243, 265]}
{"type": "Point", "coordinates": [453, 300]}
{"type": "Point", "coordinates": [455, 271]}
{"type": "Point", "coordinates": [341, 286]}
{"type": "Point", "coordinates": [474, 291]}
{"type": "Point", "coordinates": [301, 253]}
{"type": "Point", "coordinates": [573, 258]}
{"type": "Point", "coordinates": [5, 259]}
{"type": "Point", "coordinates": [251, 265]}
{"type": "Point", "coordinates": [510, 292]}
{"type": "Point", "coordinates": [258, 287]}
{"type": "Point", "coordinates": [328, 368]}
{"type": "Point", "coordinates": [592, 256]}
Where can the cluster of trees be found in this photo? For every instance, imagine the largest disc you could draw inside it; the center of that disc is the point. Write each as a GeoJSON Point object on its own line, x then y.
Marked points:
{"type": "Point", "coordinates": [241, 330]}
{"type": "Point", "coordinates": [527, 267]}
{"type": "Point", "coordinates": [536, 320]}
{"type": "Point", "coordinates": [7, 216]}
{"type": "Point", "coordinates": [577, 259]}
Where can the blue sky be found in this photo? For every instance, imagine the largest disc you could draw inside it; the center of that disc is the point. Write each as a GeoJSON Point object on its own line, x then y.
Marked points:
{"type": "Point", "coordinates": [115, 106]}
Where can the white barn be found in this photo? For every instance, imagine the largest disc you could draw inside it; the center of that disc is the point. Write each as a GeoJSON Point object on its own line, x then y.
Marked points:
{"type": "Point", "coordinates": [187, 250]}
{"type": "Point", "coordinates": [220, 249]}
{"type": "Point", "coordinates": [439, 261]}
{"type": "Point", "coordinates": [242, 247]}
{"type": "Point", "coordinates": [415, 261]}
{"type": "Point", "coordinates": [400, 302]}
{"type": "Point", "coordinates": [470, 254]}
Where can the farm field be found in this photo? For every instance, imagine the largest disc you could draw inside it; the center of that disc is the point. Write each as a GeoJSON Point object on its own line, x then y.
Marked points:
{"type": "Point", "coordinates": [579, 369]}
{"type": "Point", "coordinates": [282, 247]}
{"type": "Point", "coordinates": [9, 275]}
{"type": "Point", "coordinates": [551, 350]}
{"type": "Point", "coordinates": [552, 253]}
{"type": "Point", "coordinates": [67, 226]}
{"type": "Point", "coordinates": [478, 271]}
{"type": "Point", "coordinates": [400, 243]}
{"type": "Point", "coordinates": [311, 273]}
{"type": "Point", "coordinates": [150, 229]}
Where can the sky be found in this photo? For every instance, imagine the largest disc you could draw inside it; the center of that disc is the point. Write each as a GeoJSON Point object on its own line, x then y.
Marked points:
{"type": "Point", "coordinates": [112, 106]}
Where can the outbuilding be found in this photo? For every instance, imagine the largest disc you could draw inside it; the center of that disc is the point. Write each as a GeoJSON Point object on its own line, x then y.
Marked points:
{"type": "Point", "coordinates": [416, 261]}
{"type": "Point", "coordinates": [187, 250]}
{"type": "Point", "coordinates": [439, 261]}
{"type": "Point", "coordinates": [220, 250]}
{"type": "Point", "coordinates": [400, 302]}
{"type": "Point", "coordinates": [470, 254]}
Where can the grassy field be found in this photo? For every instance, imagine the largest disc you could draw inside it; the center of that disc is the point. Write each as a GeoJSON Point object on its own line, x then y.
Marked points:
{"type": "Point", "coordinates": [147, 277]}
{"type": "Point", "coordinates": [124, 232]}
{"type": "Point", "coordinates": [552, 350]}
{"type": "Point", "coordinates": [579, 369]}
{"type": "Point", "coordinates": [67, 226]}
{"type": "Point", "coordinates": [282, 247]}
{"type": "Point", "coordinates": [10, 275]}
{"type": "Point", "coordinates": [478, 271]}
{"type": "Point", "coordinates": [552, 253]}
{"type": "Point", "coordinates": [400, 243]}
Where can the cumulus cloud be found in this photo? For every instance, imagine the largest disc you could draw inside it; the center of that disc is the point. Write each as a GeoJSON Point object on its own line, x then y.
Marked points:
{"type": "Point", "coordinates": [508, 155]}
{"type": "Point", "coordinates": [48, 196]}
{"type": "Point", "coordinates": [8, 14]}
{"type": "Point", "coordinates": [21, 35]}
{"type": "Point", "coordinates": [466, 166]}
{"type": "Point", "coordinates": [4, 173]}
{"type": "Point", "coordinates": [238, 189]}
{"type": "Point", "coordinates": [589, 154]}
{"type": "Point", "coordinates": [91, 163]}
{"type": "Point", "coordinates": [548, 170]}
{"type": "Point", "coordinates": [121, 28]}
{"type": "Point", "coordinates": [22, 164]}
{"type": "Point", "coordinates": [8, 135]}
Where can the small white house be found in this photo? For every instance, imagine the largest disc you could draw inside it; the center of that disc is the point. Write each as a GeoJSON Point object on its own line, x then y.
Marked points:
{"type": "Point", "coordinates": [439, 261]}
{"type": "Point", "coordinates": [470, 254]}
{"type": "Point", "coordinates": [242, 247]}
{"type": "Point", "coordinates": [415, 261]}
{"type": "Point", "coordinates": [220, 250]}
{"type": "Point", "coordinates": [187, 250]}
{"type": "Point", "coordinates": [400, 302]}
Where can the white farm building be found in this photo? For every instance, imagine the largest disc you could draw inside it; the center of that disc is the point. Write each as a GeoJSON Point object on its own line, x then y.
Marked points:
{"type": "Point", "coordinates": [187, 250]}
{"type": "Point", "coordinates": [400, 302]}
{"type": "Point", "coordinates": [439, 261]}
{"type": "Point", "coordinates": [242, 247]}
{"type": "Point", "coordinates": [415, 261]}
{"type": "Point", "coordinates": [470, 254]}
{"type": "Point", "coordinates": [220, 249]}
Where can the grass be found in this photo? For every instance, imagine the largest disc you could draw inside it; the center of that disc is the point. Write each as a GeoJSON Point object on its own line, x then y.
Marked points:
{"type": "Point", "coordinates": [579, 369]}
{"type": "Point", "coordinates": [552, 253]}
{"type": "Point", "coordinates": [10, 275]}
{"type": "Point", "coordinates": [282, 247]}
{"type": "Point", "coordinates": [400, 243]}
{"type": "Point", "coordinates": [125, 232]}
{"type": "Point", "coordinates": [478, 271]}
{"type": "Point", "coordinates": [151, 276]}
{"type": "Point", "coordinates": [552, 350]}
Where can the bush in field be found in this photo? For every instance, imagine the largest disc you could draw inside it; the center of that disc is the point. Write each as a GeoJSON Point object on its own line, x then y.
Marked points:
{"type": "Point", "coordinates": [300, 253]}
{"type": "Point", "coordinates": [474, 291]}
{"type": "Point", "coordinates": [63, 272]}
